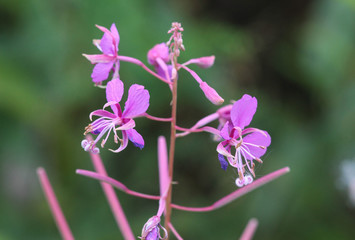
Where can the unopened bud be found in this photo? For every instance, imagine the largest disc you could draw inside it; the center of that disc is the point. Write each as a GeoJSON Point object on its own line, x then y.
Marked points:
{"type": "Point", "coordinates": [151, 229]}
{"type": "Point", "coordinates": [211, 94]}
{"type": "Point", "coordinates": [204, 62]}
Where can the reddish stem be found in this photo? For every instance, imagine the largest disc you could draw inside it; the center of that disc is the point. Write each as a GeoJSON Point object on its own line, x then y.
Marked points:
{"type": "Point", "coordinates": [112, 199]}
{"type": "Point", "coordinates": [139, 63]}
{"type": "Point", "coordinates": [156, 118]}
{"type": "Point", "coordinates": [171, 149]}
{"type": "Point", "coordinates": [249, 230]}
{"type": "Point", "coordinates": [58, 215]}
{"type": "Point", "coordinates": [237, 193]}
{"type": "Point", "coordinates": [116, 184]}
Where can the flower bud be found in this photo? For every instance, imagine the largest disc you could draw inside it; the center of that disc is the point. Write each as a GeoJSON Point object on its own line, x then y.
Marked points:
{"type": "Point", "coordinates": [151, 229]}
{"type": "Point", "coordinates": [205, 62]}
{"type": "Point", "coordinates": [211, 94]}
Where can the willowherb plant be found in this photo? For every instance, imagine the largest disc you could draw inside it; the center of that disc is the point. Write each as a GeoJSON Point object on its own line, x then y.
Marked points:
{"type": "Point", "coordinates": [239, 146]}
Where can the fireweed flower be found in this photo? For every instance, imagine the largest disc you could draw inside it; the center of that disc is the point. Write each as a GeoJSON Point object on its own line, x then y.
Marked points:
{"type": "Point", "coordinates": [108, 60]}
{"type": "Point", "coordinates": [137, 104]}
{"type": "Point", "coordinates": [249, 144]}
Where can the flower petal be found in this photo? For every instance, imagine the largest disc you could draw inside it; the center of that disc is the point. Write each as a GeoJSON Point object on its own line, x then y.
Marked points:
{"type": "Point", "coordinates": [258, 139]}
{"type": "Point", "coordinates": [137, 102]}
{"type": "Point", "coordinates": [123, 144]}
{"type": "Point", "coordinates": [243, 111]}
{"type": "Point", "coordinates": [114, 90]}
{"type": "Point", "coordinates": [161, 72]}
{"type": "Point", "coordinates": [97, 58]}
{"type": "Point", "coordinates": [225, 131]}
{"type": "Point", "coordinates": [107, 42]}
{"type": "Point", "coordinates": [101, 71]}
{"type": "Point", "coordinates": [102, 113]}
{"type": "Point", "coordinates": [128, 125]}
{"type": "Point", "coordinates": [115, 35]}
{"type": "Point", "coordinates": [222, 150]}
{"type": "Point", "coordinates": [135, 138]}
{"type": "Point", "coordinates": [158, 51]}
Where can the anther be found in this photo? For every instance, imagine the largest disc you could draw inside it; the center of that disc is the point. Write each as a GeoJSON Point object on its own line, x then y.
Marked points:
{"type": "Point", "coordinates": [88, 129]}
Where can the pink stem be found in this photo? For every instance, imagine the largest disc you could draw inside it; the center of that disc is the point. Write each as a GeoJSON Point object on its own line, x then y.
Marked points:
{"type": "Point", "coordinates": [58, 215]}
{"type": "Point", "coordinates": [163, 165]}
{"type": "Point", "coordinates": [117, 184]}
{"type": "Point", "coordinates": [193, 74]}
{"type": "Point", "coordinates": [200, 123]}
{"type": "Point", "coordinates": [203, 129]}
{"type": "Point", "coordinates": [236, 194]}
{"type": "Point", "coordinates": [112, 199]}
{"type": "Point", "coordinates": [156, 118]}
{"type": "Point", "coordinates": [249, 230]}
{"type": "Point", "coordinates": [139, 63]}
{"type": "Point", "coordinates": [177, 235]}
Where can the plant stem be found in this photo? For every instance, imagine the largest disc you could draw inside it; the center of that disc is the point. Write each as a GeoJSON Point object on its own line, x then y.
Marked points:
{"type": "Point", "coordinates": [58, 215]}
{"type": "Point", "coordinates": [171, 149]}
{"type": "Point", "coordinates": [112, 199]}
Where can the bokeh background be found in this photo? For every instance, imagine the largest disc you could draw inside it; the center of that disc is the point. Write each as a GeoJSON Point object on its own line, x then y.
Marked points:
{"type": "Point", "coordinates": [297, 57]}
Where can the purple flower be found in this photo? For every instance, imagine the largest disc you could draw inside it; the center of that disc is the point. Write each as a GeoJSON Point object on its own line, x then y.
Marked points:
{"type": "Point", "coordinates": [249, 144]}
{"type": "Point", "coordinates": [108, 60]}
{"type": "Point", "coordinates": [137, 104]}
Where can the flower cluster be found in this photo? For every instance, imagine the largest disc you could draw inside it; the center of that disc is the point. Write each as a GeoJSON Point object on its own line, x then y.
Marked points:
{"type": "Point", "coordinates": [239, 146]}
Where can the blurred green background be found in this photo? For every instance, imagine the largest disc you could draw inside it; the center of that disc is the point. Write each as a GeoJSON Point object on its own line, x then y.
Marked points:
{"type": "Point", "coordinates": [297, 57]}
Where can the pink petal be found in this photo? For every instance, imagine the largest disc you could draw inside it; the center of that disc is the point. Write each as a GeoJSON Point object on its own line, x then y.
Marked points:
{"type": "Point", "coordinates": [99, 58]}
{"type": "Point", "coordinates": [123, 145]}
{"type": "Point", "coordinates": [102, 113]}
{"type": "Point", "coordinates": [137, 102]}
{"type": "Point", "coordinates": [101, 71]}
{"type": "Point", "coordinates": [158, 51]}
{"type": "Point", "coordinates": [259, 139]}
{"type": "Point", "coordinates": [243, 111]}
{"type": "Point", "coordinates": [161, 72]}
{"type": "Point", "coordinates": [222, 150]}
{"type": "Point", "coordinates": [115, 35]}
{"type": "Point", "coordinates": [107, 42]}
{"type": "Point", "coordinates": [225, 131]}
{"type": "Point", "coordinates": [114, 90]}
{"type": "Point", "coordinates": [135, 138]}
{"type": "Point", "coordinates": [128, 125]}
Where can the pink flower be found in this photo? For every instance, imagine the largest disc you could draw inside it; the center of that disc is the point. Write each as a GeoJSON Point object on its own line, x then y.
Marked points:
{"type": "Point", "coordinates": [249, 144]}
{"type": "Point", "coordinates": [137, 104]}
{"type": "Point", "coordinates": [108, 60]}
